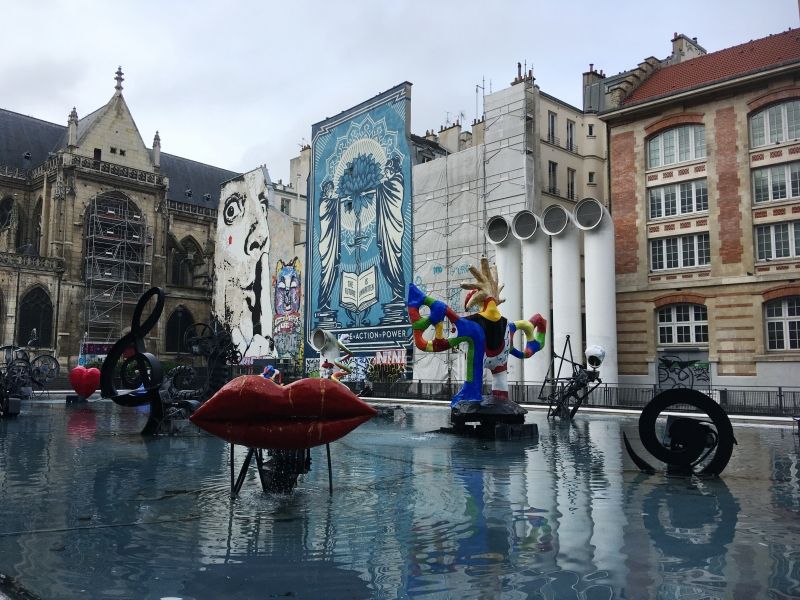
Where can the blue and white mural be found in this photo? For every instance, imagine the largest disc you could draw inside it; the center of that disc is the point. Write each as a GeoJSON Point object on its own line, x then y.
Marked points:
{"type": "Point", "coordinates": [359, 221]}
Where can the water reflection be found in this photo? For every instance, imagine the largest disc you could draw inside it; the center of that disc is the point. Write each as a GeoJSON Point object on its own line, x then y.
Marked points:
{"type": "Point", "coordinates": [691, 523]}
{"type": "Point", "coordinates": [86, 503]}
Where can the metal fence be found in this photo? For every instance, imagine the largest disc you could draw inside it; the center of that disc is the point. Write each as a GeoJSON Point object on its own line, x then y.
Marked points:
{"type": "Point", "coordinates": [755, 401]}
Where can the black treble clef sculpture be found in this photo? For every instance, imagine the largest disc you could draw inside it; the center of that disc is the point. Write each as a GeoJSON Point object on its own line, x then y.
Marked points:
{"type": "Point", "coordinates": [130, 350]}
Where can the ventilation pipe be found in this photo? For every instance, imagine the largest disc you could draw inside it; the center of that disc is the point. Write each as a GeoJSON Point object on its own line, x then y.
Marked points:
{"type": "Point", "coordinates": [509, 273]}
{"type": "Point", "coordinates": [535, 285]}
{"type": "Point", "coordinates": [559, 225]}
{"type": "Point", "coordinates": [601, 291]}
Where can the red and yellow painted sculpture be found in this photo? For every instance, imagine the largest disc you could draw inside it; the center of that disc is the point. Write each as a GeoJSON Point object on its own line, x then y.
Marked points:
{"type": "Point", "coordinates": [258, 413]}
{"type": "Point", "coordinates": [487, 334]}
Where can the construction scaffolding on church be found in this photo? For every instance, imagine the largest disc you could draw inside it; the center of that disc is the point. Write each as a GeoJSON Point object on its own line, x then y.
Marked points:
{"type": "Point", "coordinates": [119, 251]}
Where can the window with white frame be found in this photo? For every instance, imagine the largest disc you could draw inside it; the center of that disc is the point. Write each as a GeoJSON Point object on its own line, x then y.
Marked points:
{"type": "Point", "coordinates": [778, 240]}
{"type": "Point", "coordinates": [775, 124]}
{"type": "Point", "coordinates": [676, 145]}
{"type": "Point", "coordinates": [779, 182]}
{"type": "Point", "coordinates": [782, 319]}
{"type": "Point", "coordinates": [551, 128]}
{"type": "Point", "coordinates": [678, 199]}
{"type": "Point", "coordinates": [571, 184]}
{"type": "Point", "coordinates": [680, 252]}
{"type": "Point", "coordinates": [570, 145]}
{"type": "Point", "coordinates": [552, 177]}
{"type": "Point", "coordinates": [682, 324]}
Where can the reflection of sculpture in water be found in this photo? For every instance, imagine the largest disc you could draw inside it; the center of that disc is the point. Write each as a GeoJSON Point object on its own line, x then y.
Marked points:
{"type": "Point", "coordinates": [692, 534]}
{"type": "Point", "coordinates": [487, 333]}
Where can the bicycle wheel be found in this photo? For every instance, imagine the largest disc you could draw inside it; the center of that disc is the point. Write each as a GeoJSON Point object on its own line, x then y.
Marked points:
{"type": "Point", "coordinates": [44, 369]}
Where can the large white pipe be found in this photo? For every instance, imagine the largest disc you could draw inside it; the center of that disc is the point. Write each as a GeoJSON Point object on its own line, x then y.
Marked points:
{"type": "Point", "coordinates": [535, 285]}
{"type": "Point", "coordinates": [599, 282]}
{"type": "Point", "coordinates": [508, 258]}
{"type": "Point", "coordinates": [559, 225]}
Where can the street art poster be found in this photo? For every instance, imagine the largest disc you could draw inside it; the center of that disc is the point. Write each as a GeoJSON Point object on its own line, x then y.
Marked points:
{"type": "Point", "coordinates": [359, 260]}
{"type": "Point", "coordinates": [287, 326]}
{"type": "Point", "coordinates": [242, 301]}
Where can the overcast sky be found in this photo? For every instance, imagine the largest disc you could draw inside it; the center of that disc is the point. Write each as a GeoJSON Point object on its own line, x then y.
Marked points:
{"type": "Point", "coordinates": [237, 84]}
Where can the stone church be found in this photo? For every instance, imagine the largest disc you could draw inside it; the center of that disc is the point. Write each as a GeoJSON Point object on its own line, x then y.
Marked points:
{"type": "Point", "coordinates": [90, 218]}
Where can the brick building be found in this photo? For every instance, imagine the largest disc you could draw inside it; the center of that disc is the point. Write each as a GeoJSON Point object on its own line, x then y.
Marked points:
{"type": "Point", "coordinates": [704, 153]}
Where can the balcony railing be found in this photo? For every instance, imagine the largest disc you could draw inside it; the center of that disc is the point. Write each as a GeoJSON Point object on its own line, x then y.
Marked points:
{"type": "Point", "coordinates": [192, 208]}
{"type": "Point", "coordinates": [34, 263]}
{"type": "Point", "coordinates": [6, 171]}
{"type": "Point", "coordinates": [100, 166]}
{"type": "Point", "coordinates": [753, 401]}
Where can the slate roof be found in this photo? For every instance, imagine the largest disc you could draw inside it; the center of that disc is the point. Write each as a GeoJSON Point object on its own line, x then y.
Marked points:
{"type": "Point", "coordinates": [745, 59]}
{"type": "Point", "coordinates": [20, 134]}
{"type": "Point", "coordinates": [185, 174]}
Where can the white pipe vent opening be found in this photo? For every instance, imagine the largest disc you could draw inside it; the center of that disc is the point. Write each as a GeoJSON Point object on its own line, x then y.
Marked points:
{"type": "Point", "coordinates": [524, 225]}
{"type": "Point", "coordinates": [555, 219]}
{"type": "Point", "coordinates": [497, 230]}
{"type": "Point", "coordinates": [589, 214]}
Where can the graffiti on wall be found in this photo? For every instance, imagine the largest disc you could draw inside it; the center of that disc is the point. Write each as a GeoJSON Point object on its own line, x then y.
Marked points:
{"type": "Point", "coordinates": [242, 301]}
{"type": "Point", "coordinates": [359, 216]}
{"type": "Point", "coordinates": [677, 372]}
{"type": "Point", "coordinates": [287, 324]}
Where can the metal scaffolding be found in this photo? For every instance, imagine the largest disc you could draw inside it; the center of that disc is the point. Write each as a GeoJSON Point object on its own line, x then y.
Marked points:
{"type": "Point", "coordinates": [118, 266]}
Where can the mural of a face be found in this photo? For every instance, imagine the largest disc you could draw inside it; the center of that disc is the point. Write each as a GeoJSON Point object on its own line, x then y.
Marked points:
{"type": "Point", "coordinates": [287, 287]}
{"type": "Point", "coordinates": [241, 297]}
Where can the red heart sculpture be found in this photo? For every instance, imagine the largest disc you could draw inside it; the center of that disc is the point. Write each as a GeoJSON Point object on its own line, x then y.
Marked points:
{"type": "Point", "coordinates": [259, 413]}
{"type": "Point", "coordinates": [84, 381]}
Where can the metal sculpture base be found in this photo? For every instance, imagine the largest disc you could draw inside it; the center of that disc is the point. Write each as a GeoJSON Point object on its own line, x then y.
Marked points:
{"type": "Point", "coordinates": [493, 418]}
{"type": "Point", "coordinates": [10, 407]}
{"type": "Point", "coordinates": [278, 470]}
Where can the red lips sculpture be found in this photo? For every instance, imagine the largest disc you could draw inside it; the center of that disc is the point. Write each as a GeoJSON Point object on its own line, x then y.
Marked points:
{"type": "Point", "coordinates": [258, 413]}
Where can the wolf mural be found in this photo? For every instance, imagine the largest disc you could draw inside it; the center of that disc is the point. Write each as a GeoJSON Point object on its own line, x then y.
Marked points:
{"type": "Point", "coordinates": [287, 321]}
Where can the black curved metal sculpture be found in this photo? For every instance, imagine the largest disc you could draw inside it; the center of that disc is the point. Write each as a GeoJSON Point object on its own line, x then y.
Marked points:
{"type": "Point", "coordinates": [130, 351]}
{"type": "Point", "coordinates": [176, 395]}
{"type": "Point", "coordinates": [690, 440]}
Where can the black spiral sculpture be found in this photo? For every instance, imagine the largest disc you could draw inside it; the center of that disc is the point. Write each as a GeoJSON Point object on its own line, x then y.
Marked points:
{"type": "Point", "coordinates": [129, 350]}
{"type": "Point", "coordinates": [691, 440]}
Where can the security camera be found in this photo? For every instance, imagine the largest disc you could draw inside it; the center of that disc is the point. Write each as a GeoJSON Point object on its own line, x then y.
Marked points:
{"type": "Point", "coordinates": [595, 356]}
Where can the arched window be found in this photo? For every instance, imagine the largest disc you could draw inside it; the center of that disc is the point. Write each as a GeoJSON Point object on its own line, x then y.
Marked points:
{"type": "Point", "coordinates": [782, 318]}
{"type": "Point", "coordinates": [676, 145]}
{"type": "Point", "coordinates": [177, 324]}
{"type": "Point", "coordinates": [35, 313]}
{"type": "Point", "coordinates": [682, 324]}
{"type": "Point", "coordinates": [775, 124]}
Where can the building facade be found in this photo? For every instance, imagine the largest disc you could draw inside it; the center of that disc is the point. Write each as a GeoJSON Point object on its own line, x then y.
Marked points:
{"type": "Point", "coordinates": [485, 192]}
{"type": "Point", "coordinates": [90, 218]}
{"type": "Point", "coordinates": [705, 192]}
